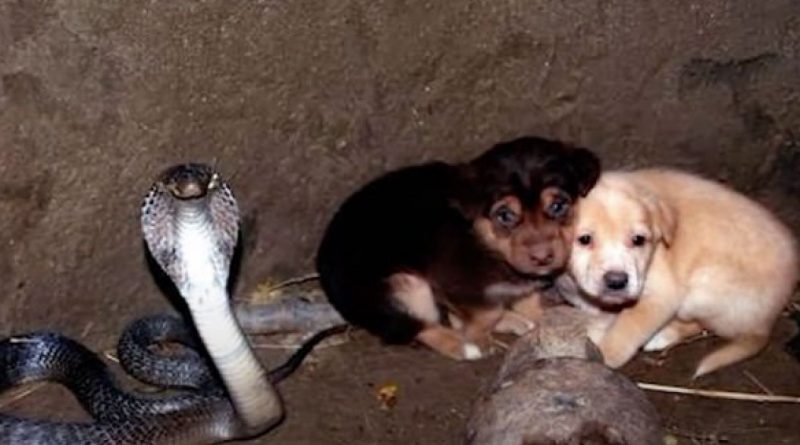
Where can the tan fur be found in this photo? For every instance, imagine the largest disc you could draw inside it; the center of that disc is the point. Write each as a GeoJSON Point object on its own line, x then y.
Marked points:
{"type": "Point", "coordinates": [479, 325]}
{"type": "Point", "coordinates": [448, 342]}
{"type": "Point", "coordinates": [529, 307]}
{"type": "Point", "coordinates": [510, 322]}
{"type": "Point", "coordinates": [487, 233]}
{"type": "Point", "coordinates": [536, 237]}
{"type": "Point", "coordinates": [673, 334]}
{"type": "Point", "coordinates": [469, 336]}
{"type": "Point", "coordinates": [713, 258]}
{"type": "Point", "coordinates": [514, 323]}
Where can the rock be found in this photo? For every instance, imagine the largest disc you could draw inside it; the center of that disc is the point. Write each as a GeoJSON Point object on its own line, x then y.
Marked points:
{"type": "Point", "coordinates": [553, 389]}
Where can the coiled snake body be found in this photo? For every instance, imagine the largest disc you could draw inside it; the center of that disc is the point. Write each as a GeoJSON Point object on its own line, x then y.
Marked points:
{"type": "Point", "coordinates": [190, 224]}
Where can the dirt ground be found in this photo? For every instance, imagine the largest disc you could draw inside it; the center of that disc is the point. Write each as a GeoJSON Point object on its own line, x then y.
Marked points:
{"type": "Point", "coordinates": [435, 395]}
{"type": "Point", "coordinates": [333, 399]}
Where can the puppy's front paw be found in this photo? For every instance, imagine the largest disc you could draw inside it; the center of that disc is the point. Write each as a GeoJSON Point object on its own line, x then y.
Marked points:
{"type": "Point", "coordinates": [615, 355]}
{"type": "Point", "coordinates": [453, 344]}
{"type": "Point", "coordinates": [597, 326]}
{"type": "Point", "coordinates": [514, 323]}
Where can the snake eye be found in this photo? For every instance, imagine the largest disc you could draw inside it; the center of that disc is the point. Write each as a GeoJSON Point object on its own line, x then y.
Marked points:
{"type": "Point", "coordinates": [585, 240]}
{"type": "Point", "coordinates": [505, 216]}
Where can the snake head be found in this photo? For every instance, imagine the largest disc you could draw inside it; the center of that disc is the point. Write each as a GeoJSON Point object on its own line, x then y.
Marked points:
{"type": "Point", "coordinates": [181, 194]}
{"type": "Point", "coordinates": [189, 181]}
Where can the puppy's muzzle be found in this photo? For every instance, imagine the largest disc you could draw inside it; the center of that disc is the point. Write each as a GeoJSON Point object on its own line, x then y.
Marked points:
{"type": "Point", "coordinates": [541, 255]}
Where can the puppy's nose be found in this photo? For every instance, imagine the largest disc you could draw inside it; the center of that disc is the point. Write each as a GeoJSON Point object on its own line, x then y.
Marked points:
{"type": "Point", "coordinates": [616, 280]}
{"type": "Point", "coordinates": [541, 255]}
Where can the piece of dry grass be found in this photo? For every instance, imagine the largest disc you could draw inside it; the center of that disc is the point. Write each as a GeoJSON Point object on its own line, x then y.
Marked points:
{"type": "Point", "coordinates": [296, 280]}
{"type": "Point", "coordinates": [699, 438]}
{"type": "Point", "coordinates": [757, 382]}
{"type": "Point", "coordinates": [715, 394]}
{"type": "Point", "coordinates": [269, 290]}
{"type": "Point", "coordinates": [21, 394]}
{"type": "Point", "coordinates": [296, 341]}
{"type": "Point", "coordinates": [111, 354]}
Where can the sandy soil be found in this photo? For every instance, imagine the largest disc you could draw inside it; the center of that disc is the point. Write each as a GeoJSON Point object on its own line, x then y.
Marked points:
{"type": "Point", "coordinates": [333, 399]}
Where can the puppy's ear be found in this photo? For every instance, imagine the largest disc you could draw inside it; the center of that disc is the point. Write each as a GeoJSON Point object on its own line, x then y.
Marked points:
{"type": "Point", "coordinates": [587, 169]}
{"type": "Point", "coordinates": [665, 221]}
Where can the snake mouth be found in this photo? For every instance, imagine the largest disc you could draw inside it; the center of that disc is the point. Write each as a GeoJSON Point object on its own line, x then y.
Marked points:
{"type": "Point", "coordinates": [189, 181]}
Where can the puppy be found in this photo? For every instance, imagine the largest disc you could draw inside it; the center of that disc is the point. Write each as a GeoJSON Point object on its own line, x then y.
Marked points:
{"type": "Point", "coordinates": [465, 240]}
{"type": "Point", "coordinates": [680, 254]}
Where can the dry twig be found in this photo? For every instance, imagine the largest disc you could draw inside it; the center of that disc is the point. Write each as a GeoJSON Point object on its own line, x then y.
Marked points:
{"type": "Point", "coordinates": [757, 382]}
{"type": "Point", "coordinates": [730, 395]}
{"type": "Point", "coordinates": [293, 281]}
{"type": "Point", "coordinates": [22, 394]}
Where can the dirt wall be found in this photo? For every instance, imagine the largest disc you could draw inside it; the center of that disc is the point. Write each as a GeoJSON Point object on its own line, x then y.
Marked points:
{"type": "Point", "coordinates": [300, 101]}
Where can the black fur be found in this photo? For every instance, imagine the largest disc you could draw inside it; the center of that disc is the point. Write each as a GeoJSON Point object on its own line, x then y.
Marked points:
{"type": "Point", "coordinates": [420, 219]}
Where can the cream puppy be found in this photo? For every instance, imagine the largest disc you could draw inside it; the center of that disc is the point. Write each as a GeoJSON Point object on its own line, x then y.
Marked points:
{"type": "Point", "coordinates": [679, 254]}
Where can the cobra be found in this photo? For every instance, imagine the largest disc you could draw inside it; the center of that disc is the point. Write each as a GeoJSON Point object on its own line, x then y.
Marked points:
{"type": "Point", "coordinates": [190, 223]}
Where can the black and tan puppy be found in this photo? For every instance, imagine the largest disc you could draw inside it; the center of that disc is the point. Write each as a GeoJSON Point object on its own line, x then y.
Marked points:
{"type": "Point", "coordinates": [468, 240]}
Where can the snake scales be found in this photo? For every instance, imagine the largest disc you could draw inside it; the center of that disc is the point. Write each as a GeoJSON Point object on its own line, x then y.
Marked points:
{"type": "Point", "coordinates": [190, 222]}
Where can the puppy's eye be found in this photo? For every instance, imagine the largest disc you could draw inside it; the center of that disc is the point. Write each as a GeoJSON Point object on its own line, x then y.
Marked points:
{"type": "Point", "coordinates": [558, 208]}
{"type": "Point", "coordinates": [505, 216]}
{"type": "Point", "coordinates": [638, 240]}
{"type": "Point", "coordinates": [585, 240]}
